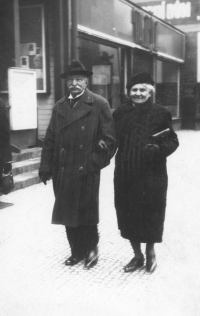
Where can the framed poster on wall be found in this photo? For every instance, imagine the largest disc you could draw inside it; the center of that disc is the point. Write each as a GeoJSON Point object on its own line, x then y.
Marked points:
{"type": "Point", "coordinates": [22, 99]}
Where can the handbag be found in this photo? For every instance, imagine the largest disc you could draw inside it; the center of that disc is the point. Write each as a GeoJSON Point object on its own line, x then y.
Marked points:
{"type": "Point", "coordinates": [7, 183]}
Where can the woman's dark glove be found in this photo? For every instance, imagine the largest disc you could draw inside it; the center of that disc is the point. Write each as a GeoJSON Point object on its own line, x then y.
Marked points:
{"type": "Point", "coordinates": [7, 167]}
{"type": "Point", "coordinates": [45, 176]}
{"type": "Point", "coordinates": [152, 151]}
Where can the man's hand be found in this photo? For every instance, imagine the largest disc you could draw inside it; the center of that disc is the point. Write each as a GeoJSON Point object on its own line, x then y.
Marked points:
{"type": "Point", "coordinates": [102, 144]}
{"type": "Point", "coordinates": [45, 176]}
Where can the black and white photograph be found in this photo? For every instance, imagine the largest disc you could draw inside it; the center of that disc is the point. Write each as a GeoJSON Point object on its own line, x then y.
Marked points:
{"type": "Point", "coordinates": [99, 157]}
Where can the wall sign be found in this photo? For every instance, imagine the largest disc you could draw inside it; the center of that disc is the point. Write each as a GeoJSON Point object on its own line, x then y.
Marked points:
{"type": "Point", "coordinates": [22, 99]}
{"type": "Point", "coordinates": [169, 11]}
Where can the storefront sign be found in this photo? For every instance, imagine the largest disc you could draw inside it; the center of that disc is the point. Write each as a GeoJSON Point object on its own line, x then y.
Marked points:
{"type": "Point", "coordinates": [169, 11]}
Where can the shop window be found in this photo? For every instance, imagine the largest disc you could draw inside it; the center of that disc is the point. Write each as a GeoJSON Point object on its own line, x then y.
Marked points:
{"type": "Point", "coordinates": [104, 61]}
{"type": "Point", "coordinates": [167, 86]}
{"type": "Point", "coordinates": [32, 43]}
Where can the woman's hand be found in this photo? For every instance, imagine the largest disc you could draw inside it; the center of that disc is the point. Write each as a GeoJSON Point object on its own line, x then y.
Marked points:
{"type": "Point", "coordinates": [152, 148]}
{"type": "Point", "coordinates": [151, 151]}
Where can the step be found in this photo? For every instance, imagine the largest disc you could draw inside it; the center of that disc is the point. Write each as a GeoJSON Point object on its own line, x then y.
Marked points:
{"type": "Point", "coordinates": [25, 154]}
{"type": "Point", "coordinates": [25, 166]}
{"type": "Point", "coordinates": [27, 179]}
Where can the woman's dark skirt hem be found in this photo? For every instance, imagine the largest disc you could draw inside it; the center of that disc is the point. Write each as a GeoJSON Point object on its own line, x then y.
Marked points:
{"type": "Point", "coordinates": [140, 239]}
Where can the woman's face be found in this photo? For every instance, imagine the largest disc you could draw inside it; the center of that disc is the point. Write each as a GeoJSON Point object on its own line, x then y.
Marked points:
{"type": "Point", "coordinates": [139, 93]}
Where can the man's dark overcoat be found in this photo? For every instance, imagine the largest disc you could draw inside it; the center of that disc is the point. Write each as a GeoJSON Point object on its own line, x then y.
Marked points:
{"type": "Point", "coordinates": [72, 156]}
{"type": "Point", "coordinates": [141, 179]}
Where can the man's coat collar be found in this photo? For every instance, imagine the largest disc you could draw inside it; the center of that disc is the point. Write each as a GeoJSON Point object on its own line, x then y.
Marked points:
{"type": "Point", "coordinates": [82, 107]}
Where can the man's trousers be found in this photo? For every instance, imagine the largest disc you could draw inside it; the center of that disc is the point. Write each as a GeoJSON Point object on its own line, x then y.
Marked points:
{"type": "Point", "coordinates": [82, 239]}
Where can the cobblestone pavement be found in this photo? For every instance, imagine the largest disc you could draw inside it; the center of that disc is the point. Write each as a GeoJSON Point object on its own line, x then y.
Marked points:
{"type": "Point", "coordinates": [35, 282]}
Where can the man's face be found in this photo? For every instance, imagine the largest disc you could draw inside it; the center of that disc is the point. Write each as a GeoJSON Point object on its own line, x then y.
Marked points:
{"type": "Point", "coordinates": [139, 93]}
{"type": "Point", "coordinates": [76, 83]}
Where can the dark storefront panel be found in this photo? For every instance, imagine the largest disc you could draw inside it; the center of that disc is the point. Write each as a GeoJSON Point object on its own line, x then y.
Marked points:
{"type": "Point", "coordinates": [169, 42]}
{"type": "Point", "coordinates": [104, 61]}
{"type": "Point", "coordinates": [167, 85]}
{"type": "Point", "coordinates": [142, 61]}
{"type": "Point", "coordinates": [7, 51]}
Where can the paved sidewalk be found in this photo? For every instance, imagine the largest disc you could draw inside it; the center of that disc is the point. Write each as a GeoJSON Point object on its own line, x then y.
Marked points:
{"type": "Point", "coordinates": [35, 282]}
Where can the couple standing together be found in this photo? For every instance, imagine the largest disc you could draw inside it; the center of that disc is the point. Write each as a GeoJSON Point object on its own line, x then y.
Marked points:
{"type": "Point", "coordinates": [81, 138]}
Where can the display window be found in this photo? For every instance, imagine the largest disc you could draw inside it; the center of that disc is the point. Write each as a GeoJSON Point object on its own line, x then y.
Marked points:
{"type": "Point", "coordinates": [167, 86]}
{"type": "Point", "coordinates": [105, 63]}
{"type": "Point", "coordinates": [32, 43]}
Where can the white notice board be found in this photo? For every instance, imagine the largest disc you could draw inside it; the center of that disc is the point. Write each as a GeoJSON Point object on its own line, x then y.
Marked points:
{"type": "Point", "coordinates": [22, 99]}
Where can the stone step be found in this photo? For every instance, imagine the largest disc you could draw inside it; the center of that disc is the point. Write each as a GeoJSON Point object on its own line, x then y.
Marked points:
{"type": "Point", "coordinates": [26, 154]}
{"type": "Point", "coordinates": [25, 166]}
{"type": "Point", "coordinates": [27, 179]}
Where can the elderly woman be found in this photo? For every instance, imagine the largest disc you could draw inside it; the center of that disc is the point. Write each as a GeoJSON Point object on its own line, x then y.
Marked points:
{"type": "Point", "coordinates": [140, 177]}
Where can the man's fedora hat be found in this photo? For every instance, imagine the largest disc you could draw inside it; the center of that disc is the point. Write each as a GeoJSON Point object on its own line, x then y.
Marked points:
{"type": "Point", "coordinates": [76, 68]}
{"type": "Point", "coordinates": [142, 77]}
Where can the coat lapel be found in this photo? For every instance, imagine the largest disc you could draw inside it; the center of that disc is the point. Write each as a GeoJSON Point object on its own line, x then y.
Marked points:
{"type": "Point", "coordinates": [64, 107]}
{"type": "Point", "coordinates": [82, 107]}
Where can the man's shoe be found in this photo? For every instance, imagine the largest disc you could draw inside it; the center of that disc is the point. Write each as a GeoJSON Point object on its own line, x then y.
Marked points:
{"type": "Point", "coordinates": [151, 264]}
{"type": "Point", "coordinates": [71, 261]}
{"type": "Point", "coordinates": [134, 264]}
{"type": "Point", "coordinates": [91, 259]}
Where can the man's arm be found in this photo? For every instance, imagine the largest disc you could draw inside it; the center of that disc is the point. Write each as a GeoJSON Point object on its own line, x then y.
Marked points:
{"type": "Point", "coordinates": [48, 149]}
{"type": "Point", "coordinates": [107, 144]}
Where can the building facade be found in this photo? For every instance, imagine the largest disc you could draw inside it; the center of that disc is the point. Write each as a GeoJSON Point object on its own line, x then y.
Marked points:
{"type": "Point", "coordinates": [184, 15]}
{"type": "Point", "coordinates": [115, 39]}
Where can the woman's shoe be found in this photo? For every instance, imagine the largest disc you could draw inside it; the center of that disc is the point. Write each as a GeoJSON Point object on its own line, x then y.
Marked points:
{"type": "Point", "coordinates": [134, 264]}
{"type": "Point", "coordinates": [151, 264]}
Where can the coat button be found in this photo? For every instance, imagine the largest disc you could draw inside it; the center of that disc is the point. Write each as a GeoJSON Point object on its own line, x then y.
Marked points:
{"type": "Point", "coordinates": [83, 127]}
{"type": "Point", "coordinates": [81, 147]}
{"type": "Point", "coordinates": [80, 168]}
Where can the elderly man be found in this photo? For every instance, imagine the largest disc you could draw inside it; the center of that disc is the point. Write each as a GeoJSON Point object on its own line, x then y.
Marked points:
{"type": "Point", "coordinates": [80, 140]}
